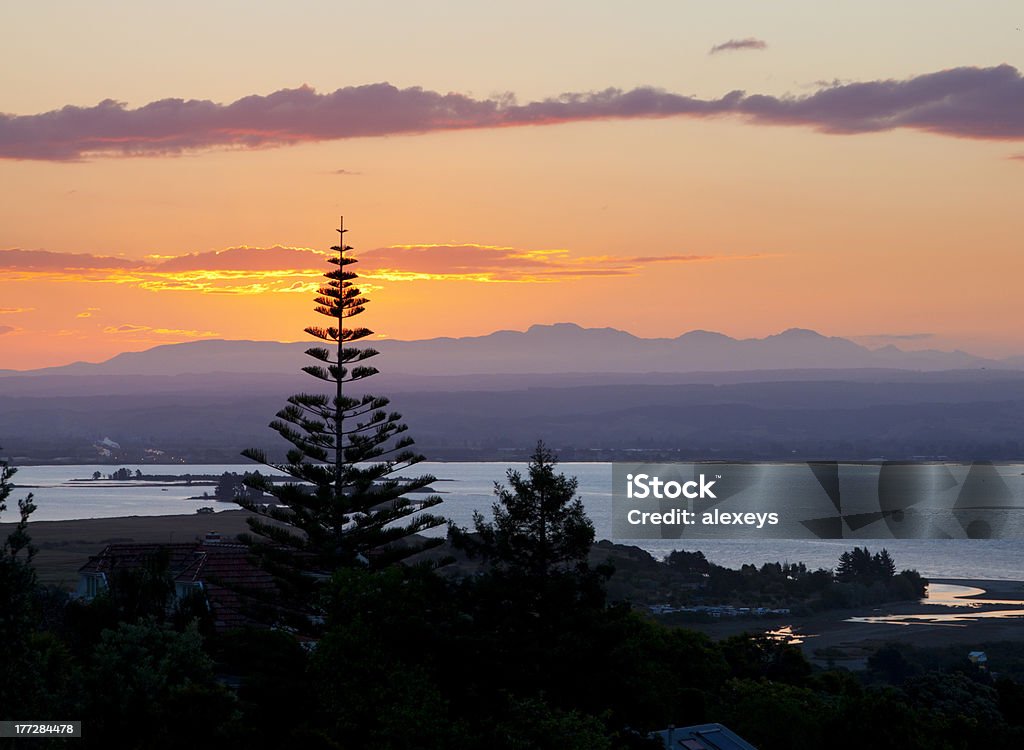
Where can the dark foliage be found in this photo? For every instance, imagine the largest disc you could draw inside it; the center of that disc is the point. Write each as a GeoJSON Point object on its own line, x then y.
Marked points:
{"type": "Point", "coordinates": [539, 529]}
{"type": "Point", "coordinates": [18, 612]}
{"type": "Point", "coordinates": [516, 657]}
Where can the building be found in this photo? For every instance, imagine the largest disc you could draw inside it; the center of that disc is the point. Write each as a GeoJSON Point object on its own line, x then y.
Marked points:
{"type": "Point", "coordinates": [225, 576]}
{"type": "Point", "coordinates": [702, 737]}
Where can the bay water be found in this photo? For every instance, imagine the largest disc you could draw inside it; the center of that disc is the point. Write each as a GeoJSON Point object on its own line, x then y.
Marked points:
{"type": "Point", "coordinates": [69, 492]}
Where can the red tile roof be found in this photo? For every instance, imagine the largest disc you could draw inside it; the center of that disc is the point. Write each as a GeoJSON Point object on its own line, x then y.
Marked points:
{"type": "Point", "coordinates": [135, 555]}
{"type": "Point", "coordinates": [228, 575]}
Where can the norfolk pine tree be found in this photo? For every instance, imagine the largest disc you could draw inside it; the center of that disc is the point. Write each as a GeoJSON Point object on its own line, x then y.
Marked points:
{"type": "Point", "coordinates": [348, 504]}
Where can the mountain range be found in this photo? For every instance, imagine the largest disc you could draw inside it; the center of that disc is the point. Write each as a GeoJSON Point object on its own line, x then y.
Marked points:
{"type": "Point", "coordinates": [593, 394]}
{"type": "Point", "coordinates": [543, 349]}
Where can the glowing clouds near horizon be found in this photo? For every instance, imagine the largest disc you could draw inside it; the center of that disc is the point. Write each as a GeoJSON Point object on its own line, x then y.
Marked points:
{"type": "Point", "coordinates": [131, 329]}
{"type": "Point", "coordinates": [236, 270]}
{"type": "Point", "coordinates": [248, 270]}
{"type": "Point", "coordinates": [487, 263]}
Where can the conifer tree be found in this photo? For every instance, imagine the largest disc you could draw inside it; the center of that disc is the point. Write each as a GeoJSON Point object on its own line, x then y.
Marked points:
{"type": "Point", "coordinates": [17, 541]}
{"type": "Point", "coordinates": [347, 503]}
{"type": "Point", "coordinates": [18, 618]}
{"type": "Point", "coordinates": [540, 527]}
{"type": "Point", "coordinates": [884, 565]}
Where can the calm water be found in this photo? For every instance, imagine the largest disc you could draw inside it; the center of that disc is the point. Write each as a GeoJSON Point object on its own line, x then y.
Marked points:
{"type": "Point", "coordinates": [467, 487]}
{"type": "Point", "coordinates": [949, 596]}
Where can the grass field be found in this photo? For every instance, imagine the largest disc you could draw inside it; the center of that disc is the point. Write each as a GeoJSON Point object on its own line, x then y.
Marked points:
{"type": "Point", "coordinates": [65, 546]}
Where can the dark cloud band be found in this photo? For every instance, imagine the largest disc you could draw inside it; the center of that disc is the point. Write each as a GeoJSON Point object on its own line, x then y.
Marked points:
{"type": "Point", "coordinates": [983, 103]}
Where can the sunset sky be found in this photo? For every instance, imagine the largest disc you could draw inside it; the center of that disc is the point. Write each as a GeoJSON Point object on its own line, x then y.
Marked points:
{"type": "Point", "coordinates": [173, 171]}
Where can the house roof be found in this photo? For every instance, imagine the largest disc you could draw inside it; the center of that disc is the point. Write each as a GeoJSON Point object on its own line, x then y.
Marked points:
{"type": "Point", "coordinates": [130, 556]}
{"type": "Point", "coordinates": [702, 737]}
{"type": "Point", "coordinates": [230, 578]}
{"type": "Point", "coordinates": [232, 581]}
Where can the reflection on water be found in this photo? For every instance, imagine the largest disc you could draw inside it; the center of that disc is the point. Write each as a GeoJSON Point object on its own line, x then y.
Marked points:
{"type": "Point", "coordinates": [959, 619]}
{"type": "Point", "coordinates": [968, 599]}
{"type": "Point", "coordinates": [949, 595]}
{"type": "Point", "coordinates": [785, 633]}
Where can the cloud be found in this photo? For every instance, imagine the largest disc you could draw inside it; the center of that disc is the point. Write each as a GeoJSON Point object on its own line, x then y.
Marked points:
{"type": "Point", "coordinates": [172, 126]}
{"type": "Point", "coordinates": [734, 45]}
{"type": "Point", "coordinates": [239, 270]}
{"type": "Point", "coordinates": [7, 329]}
{"type": "Point", "coordinates": [127, 328]}
{"type": "Point", "coordinates": [254, 270]}
{"type": "Point", "coordinates": [243, 258]}
{"type": "Point", "coordinates": [45, 260]}
{"type": "Point", "coordinates": [289, 269]}
{"type": "Point", "coordinates": [15, 310]}
{"type": "Point", "coordinates": [966, 102]}
{"type": "Point", "coordinates": [489, 263]}
{"type": "Point", "coordinates": [148, 330]}
{"type": "Point", "coordinates": [235, 270]}
{"type": "Point", "coordinates": [299, 271]}
{"type": "Point", "coordinates": [981, 103]}
{"type": "Point", "coordinates": [307, 287]}
{"type": "Point", "coordinates": [348, 172]}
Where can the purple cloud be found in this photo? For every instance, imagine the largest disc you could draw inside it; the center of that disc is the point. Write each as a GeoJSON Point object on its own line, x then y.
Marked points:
{"type": "Point", "coordinates": [243, 258]}
{"type": "Point", "coordinates": [172, 126]}
{"type": "Point", "coordinates": [734, 45]}
{"type": "Point", "coordinates": [7, 329]}
{"type": "Point", "coordinates": [45, 260]}
{"type": "Point", "coordinates": [983, 103]}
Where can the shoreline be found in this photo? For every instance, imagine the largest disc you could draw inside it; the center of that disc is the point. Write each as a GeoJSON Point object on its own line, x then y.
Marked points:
{"type": "Point", "coordinates": [80, 534]}
{"type": "Point", "coordinates": [65, 546]}
{"type": "Point", "coordinates": [843, 637]}
{"type": "Point", "coordinates": [994, 587]}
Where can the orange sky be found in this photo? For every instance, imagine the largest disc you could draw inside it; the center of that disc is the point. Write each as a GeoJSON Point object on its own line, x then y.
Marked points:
{"type": "Point", "coordinates": [883, 205]}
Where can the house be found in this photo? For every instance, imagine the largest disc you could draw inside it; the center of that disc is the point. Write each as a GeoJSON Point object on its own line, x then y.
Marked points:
{"type": "Point", "coordinates": [702, 737]}
{"type": "Point", "coordinates": [225, 575]}
{"type": "Point", "coordinates": [94, 577]}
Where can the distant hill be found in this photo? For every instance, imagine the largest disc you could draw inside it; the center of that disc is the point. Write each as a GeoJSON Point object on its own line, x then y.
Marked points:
{"type": "Point", "coordinates": [896, 414]}
{"type": "Point", "coordinates": [591, 393]}
{"type": "Point", "coordinates": [548, 349]}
